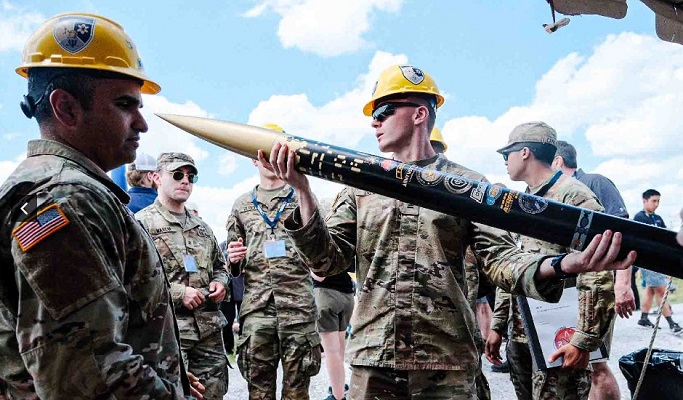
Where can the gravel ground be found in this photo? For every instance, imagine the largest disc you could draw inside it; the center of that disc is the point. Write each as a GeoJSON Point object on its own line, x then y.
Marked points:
{"type": "Point", "coordinates": [628, 337]}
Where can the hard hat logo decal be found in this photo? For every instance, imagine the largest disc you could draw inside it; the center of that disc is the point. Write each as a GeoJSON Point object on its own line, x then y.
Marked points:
{"type": "Point", "coordinates": [412, 74]}
{"type": "Point", "coordinates": [74, 33]}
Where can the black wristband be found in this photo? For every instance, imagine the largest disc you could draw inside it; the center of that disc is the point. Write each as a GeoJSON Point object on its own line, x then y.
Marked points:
{"type": "Point", "coordinates": [556, 264]}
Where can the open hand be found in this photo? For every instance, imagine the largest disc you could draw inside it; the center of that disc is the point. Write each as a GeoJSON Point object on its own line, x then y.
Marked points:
{"type": "Point", "coordinates": [492, 349]}
{"type": "Point", "coordinates": [600, 255]}
{"type": "Point", "coordinates": [282, 163]}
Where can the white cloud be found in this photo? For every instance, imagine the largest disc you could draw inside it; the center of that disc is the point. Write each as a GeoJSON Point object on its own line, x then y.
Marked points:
{"type": "Point", "coordinates": [164, 137]}
{"type": "Point", "coordinates": [8, 137]}
{"type": "Point", "coordinates": [227, 164]}
{"type": "Point", "coordinates": [327, 28]}
{"type": "Point", "coordinates": [339, 122]}
{"type": "Point", "coordinates": [8, 166]}
{"type": "Point", "coordinates": [635, 175]}
{"type": "Point", "coordinates": [621, 100]}
{"type": "Point", "coordinates": [16, 26]}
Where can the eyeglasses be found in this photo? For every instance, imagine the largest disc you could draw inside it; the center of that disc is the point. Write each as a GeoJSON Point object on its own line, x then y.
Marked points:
{"type": "Point", "coordinates": [507, 153]}
{"type": "Point", "coordinates": [385, 110]}
{"type": "Point", "coordinates": [179, 175]}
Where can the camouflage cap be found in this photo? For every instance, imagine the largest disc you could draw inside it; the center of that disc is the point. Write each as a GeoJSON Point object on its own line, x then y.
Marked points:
{"type": "Point", "coordinates": [173, 161]}
{"type": "Point", "coordinates": [531, 132]}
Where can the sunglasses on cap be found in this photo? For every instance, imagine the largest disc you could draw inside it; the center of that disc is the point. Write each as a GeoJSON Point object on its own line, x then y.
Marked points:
{"type": "Point", "coordinates": [385, 110]}
{"type": "Point", "coordinates": [179, 175]}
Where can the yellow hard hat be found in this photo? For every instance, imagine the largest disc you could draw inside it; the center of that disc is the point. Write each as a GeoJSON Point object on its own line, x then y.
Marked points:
{"type": "Point", "coordinates": [88, 41]}
{"type": "Point", "coordinates": [274, 127]}
{"type": "Point", "coordinates": [402, 79]}
{"type": "Point", "coordinates": [436, 136]}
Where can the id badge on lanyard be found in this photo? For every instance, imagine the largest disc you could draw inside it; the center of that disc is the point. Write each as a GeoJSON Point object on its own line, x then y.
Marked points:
{"type": "Point", "coordinates": [190, 263]}
{"type": "Point", "coordinates": [273, 248]}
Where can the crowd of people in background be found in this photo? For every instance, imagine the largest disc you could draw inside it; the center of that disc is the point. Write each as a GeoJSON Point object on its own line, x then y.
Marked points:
{"type": "Point", "coordinates": [130, 295]}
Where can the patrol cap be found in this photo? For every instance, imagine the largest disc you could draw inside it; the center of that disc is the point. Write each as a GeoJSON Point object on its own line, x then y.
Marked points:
{"type": "Point", "coordinates": [144, 162]}
{"type": "Point", "coordinates": [531, 132]}
{"type": "Point", "coordinates": [173, 161]}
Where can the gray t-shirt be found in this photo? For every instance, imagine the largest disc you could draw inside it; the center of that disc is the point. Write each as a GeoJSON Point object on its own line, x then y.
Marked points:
{"type": "Point", "coordinates": [606, 191]}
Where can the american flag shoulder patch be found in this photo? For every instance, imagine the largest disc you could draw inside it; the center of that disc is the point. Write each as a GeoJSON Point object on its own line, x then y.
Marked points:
{"type": "Point", "coordinates": [48, 221]}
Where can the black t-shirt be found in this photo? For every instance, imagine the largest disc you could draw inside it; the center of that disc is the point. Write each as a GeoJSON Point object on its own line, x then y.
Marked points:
{"type": "Point", "coordinates": [340, 282]}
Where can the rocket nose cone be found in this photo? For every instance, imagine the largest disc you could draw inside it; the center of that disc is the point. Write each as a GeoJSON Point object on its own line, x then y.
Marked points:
{"type": "Point", "coordinates": [239, 138]}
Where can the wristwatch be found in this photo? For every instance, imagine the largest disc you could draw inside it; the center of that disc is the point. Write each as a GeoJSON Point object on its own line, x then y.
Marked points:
{"type": "Point", "coordinates": [555, 263]}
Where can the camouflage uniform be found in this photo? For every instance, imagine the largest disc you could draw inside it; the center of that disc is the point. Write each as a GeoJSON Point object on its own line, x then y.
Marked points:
{"type": "Point", "coordinates": [412, 311]}
{"type": "Point", "coordinates": [201, 337]}
{"type": "Point", "coordinates": [278, 309]}
{"type": "Point", "coordinates": [472, 263]}
{"type": "Point", "coordinates": [96, 317]}
{"type": "Point", "coordinates": [596, 310]}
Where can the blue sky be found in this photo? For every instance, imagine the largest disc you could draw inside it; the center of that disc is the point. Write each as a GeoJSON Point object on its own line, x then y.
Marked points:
{"type": "Point", "coordinates": [608, 86]}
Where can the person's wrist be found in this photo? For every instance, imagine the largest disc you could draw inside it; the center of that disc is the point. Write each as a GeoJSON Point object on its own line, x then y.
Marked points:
{"type": "Point", "coordinates": [556, 263]}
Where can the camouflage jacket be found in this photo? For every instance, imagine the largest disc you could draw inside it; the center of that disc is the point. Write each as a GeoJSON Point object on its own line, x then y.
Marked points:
{"type": "Point", "coordinates": [174, 242]}
{"type": "Point", "coordinates": [412, 310]}
{"type": "Point", "coordinates": [96, 319]}
{"type": "Point", "coordinates": [596, 289]}
{"type": "Point", "coordinates": [286, 279]}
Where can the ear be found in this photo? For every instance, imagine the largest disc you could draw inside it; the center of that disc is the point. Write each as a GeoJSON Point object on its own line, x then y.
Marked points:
{"type": "Point", "coordinates": [526, 153]}
{"type": "Point", "coordinates": [156, 177]}
{"type": "Point", "coordinates": [421, 115]}
{"type": "Point", "coordinates": [66, 108]}
{"type": "Point", "coordinates": [557, 163]}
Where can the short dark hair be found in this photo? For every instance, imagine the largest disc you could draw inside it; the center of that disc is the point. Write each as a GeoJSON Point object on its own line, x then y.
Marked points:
{"type": "Point", "coordinates": [543, 152]}
{"type": "Point", "coordinates": [649, 193]}
{"type": "Point", "coordinates": [567, 152]}
{"type": "Point", "coordinates": [43, 81]}
{"type": "Point", "coordinates": [79, 82]}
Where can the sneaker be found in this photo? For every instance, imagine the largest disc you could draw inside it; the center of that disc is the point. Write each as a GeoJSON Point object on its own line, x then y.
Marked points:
{"type": "Point", "coordinates": [646, 323]}
{"type": "Point", "coordinates": [346, 389]}
{"type": "Point", "coordinates": [503, 368]}
{"type": "Point", "coordinates": [675, 328]}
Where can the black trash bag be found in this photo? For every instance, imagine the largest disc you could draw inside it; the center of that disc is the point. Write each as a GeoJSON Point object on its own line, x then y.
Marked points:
{"type": "Point", "coordinates": [663, 379]}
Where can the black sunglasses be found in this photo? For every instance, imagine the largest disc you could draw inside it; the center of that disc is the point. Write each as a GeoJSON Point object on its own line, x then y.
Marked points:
{"type": "Point", "coordinates": [507, 153]}
{"type": "Point", "coordinates": [385, 110]}
{"type": "Point", "coordinates": [179, 175]}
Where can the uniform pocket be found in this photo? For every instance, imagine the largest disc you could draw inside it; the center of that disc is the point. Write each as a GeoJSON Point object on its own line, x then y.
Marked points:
{"type": "Point", "coordinates": [310, 363]}
{"type": "Point", "coordinates": [243, 356]}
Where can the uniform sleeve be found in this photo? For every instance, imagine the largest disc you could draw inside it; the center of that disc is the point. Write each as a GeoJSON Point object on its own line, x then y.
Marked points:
{"type": "Point", "coordinates": [472, 277]}
{"type": "Point", "coordinates": [218, 262]}
{"type": "Point", "coordinates": [75, 309]}
{"type": "Point", "coordinates": [15, 381]}
{"type": "Point", "coordinates": [501, 311]}
{"type": "Point", "coordinates": [327, 247]}
{"type": "Point", "coordinates": [235, 230]}
{"type": "Point", "coordinates": [509, 267]}
{"type": "Point", "coordinates": [176, 290]}
{"type": "Point", "coordinates": [596, 301]}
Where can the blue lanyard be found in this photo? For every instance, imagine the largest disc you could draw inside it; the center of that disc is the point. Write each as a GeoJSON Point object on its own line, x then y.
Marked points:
{"type": "Point", "coordinates": [271, 223]}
